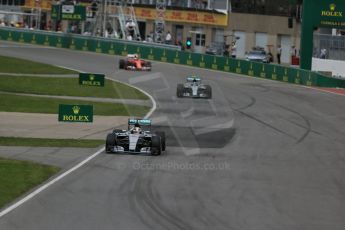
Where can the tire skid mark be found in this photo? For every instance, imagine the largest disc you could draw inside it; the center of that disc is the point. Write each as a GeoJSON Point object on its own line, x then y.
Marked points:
{"type": "Point", "coordinates": [158, 208]}
{"type": "Point", "coordinates": [128, 187]}
{"type": "Point", "coordinates": [307, 122]}
{"type": "Point", "coordinates": [253, 101]}
{"type": "Point", "coordinates": [305, 127]}
{"type": "Point", "coordinates": [145, 202]}
{"type": "Point", "coordinates": [267, 125]}
{"type": "Point", "coordinates": [250, 104]}
{"type": "Point", "coordinates": [210, 219]}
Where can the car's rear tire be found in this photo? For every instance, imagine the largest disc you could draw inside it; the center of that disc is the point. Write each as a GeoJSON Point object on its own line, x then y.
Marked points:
{"type": "Point", "coordinates": [162, 135]}
{"type": "Point", "coordinates": [122, 64]}
{"type": "Point", "coordinates": [156, 146]}
{"type": "Point", "coordinates": [179, 90]}
{"type": "Point", "coordinates": [110, 142]}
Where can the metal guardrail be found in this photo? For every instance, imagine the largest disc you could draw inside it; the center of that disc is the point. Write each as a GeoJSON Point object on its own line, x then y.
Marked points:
{"type": "Point", "coordinates": [334, 46]}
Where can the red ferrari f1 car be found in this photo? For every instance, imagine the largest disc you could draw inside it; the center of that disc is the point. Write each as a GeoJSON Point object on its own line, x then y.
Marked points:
{"type": "Point", "coordinates": [133, 62]}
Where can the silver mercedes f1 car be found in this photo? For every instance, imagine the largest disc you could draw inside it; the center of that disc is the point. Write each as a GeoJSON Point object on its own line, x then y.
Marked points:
{"type": "Point", "coordinates": [138, 138]}
{"type": "Point", "coordinates": [194, 88]}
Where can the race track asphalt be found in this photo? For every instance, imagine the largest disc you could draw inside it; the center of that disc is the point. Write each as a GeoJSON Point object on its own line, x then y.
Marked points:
{"type": "Point", "coordinates": [260, 155]}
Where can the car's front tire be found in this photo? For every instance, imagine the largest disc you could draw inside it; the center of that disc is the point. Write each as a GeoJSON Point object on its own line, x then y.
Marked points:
{"type": "Point", "coordinates": [179, 90]}
{"type": "Point", "coordinates": [208, 91]}
{"type": "Point", "coordinates": [156, 146]}
{"type": "Point", "coordinates": [149, 65]}
{"type": "Point", "coordinates": [162, 135]}
{"type": "Point", "coordinates": [110, 142]}
{"type": "Point", "coordinates": [122, 64]}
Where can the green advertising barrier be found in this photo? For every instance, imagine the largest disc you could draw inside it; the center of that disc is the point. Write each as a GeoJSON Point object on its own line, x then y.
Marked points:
{"type": "Point", "coordinates": [100, 46]}
{"type": "Point", "coordinates": [146, 51]}
{"type": "Point", "coordinates": [324, 81]}
{"type": "Point", "coordinates": [91, 79]}
{"type": "Point", "coordinates": [154, 54]}
{"type": "Point", "coordinates": [75, 113]}
{"type": "Point", "coordinates": [180, 58]}
{"type": "Point", "coordinates": [28, 36]}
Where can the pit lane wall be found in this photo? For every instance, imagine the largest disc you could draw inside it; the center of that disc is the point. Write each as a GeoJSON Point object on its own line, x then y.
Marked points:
{"type": "Point", "coordinates": [170, 55]}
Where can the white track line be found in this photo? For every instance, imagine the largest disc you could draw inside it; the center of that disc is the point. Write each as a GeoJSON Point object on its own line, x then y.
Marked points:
{"type": "Point", "coordinates": [76, 70]}
{"type": "Point", "coordinates": [154, 104]}
{"type": "Point", "coordinates": [48, 184]}
{"type": "Point", "coordinates": [61, 176]}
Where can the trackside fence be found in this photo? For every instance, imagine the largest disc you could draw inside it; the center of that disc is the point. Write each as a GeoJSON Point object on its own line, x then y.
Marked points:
{"type": "Point", "coordinates": [170, 55]}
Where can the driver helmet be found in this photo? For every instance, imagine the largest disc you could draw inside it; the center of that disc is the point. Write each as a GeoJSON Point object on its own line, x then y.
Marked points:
{"type": "Point", "coordinates": [136, 128]}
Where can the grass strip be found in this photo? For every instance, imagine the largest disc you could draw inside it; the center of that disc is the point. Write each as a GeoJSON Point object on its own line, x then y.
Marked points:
{"type": "Point", "coordinates": [67, 87]}
{"type": "Point", "coordinates": [17, 65]}
{"type": "Point", "coordinates": [47, 142]}
{"type": "Point", "coordinates": [18, 177]}
{"type": "Point", "coordinates": [26, 104]}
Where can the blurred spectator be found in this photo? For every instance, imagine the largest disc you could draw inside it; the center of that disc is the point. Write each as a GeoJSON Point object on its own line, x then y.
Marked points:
{"type": "Point", "coordinates": [179, 43]}
{"type": "Point", "coordinates": [233, 50]}
{"type": "Point", "coordinates": [138, 37]}
{"type": "Point", "coordinates": [270, 56]}
{"type": "Point", "coordinates": [279, 53]}
{"type": "Point", "coordinates": [293, 51]}
{"type": "Point", "coordinates": [168, 38]}
{"type": "Point", "coordinates": [323, 53]}
{"type": "Point", "coordinates": [129, 37]}
{"type": "Point", "coordinates": [98, 32]}
{"type": "Point", "coordinates": [149, 38]}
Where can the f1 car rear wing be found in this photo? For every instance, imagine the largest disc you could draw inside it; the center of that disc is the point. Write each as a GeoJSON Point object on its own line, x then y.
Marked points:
{"type": "Point", "coordinates": [193, 78]}
{"type": "Point", "coordinates": [132, 56]}
{"type": "Point", "coordinates": [142, 122]}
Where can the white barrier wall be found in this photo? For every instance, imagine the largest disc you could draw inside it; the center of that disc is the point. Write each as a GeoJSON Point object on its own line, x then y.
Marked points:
{"type": "Point", "coordinates": [336, 67]}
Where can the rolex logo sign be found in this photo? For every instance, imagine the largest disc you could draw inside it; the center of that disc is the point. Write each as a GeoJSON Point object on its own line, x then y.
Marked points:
{"type": "Point", "coordinates": [90, 79]}
{"type": "Point", "coordinates": [76, 113]}
{"type": "Point", "coordinates": [332, 12]}
{"type": "Point", "coordinates": [76, 109]}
